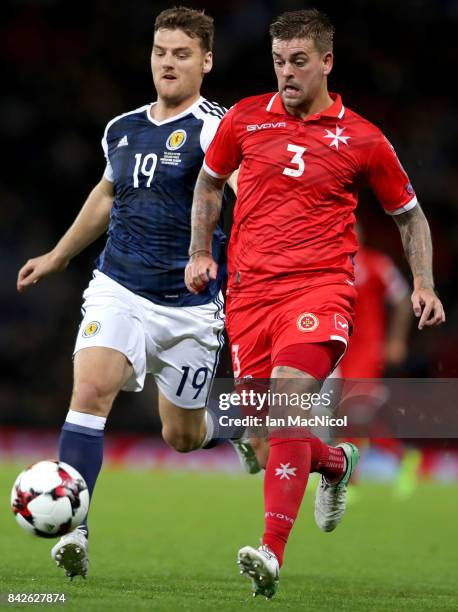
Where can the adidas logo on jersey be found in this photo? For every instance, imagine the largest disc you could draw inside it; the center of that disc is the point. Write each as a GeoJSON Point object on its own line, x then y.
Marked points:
{"type": "Point", "coordinates": [213, 108]}
{"type": "Point", "coordinates": [123, 142]}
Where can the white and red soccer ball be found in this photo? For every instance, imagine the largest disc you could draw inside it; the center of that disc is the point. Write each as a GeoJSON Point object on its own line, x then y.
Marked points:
{"type": "Point", "coordinates": [50, 498]}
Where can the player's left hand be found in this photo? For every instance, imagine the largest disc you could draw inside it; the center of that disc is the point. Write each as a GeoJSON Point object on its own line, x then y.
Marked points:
{"type": "Point", "coordinates": [428, 307]}
{"type": "Point", "coordinates": [200, 270]}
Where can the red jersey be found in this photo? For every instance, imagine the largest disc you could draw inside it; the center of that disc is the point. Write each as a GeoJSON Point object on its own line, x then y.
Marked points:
{"type": "Point", "coordinates": [297, 190]}
{"type": "Point", "coordinates": [378, 283]}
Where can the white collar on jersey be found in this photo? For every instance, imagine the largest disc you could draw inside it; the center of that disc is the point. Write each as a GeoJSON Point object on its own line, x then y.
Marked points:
{"type": "Point", "coordinates": [188, 110]}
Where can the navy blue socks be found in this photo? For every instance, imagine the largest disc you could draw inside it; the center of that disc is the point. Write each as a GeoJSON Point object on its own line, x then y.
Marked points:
{"type": "Point", "coordinates": [81, 446]}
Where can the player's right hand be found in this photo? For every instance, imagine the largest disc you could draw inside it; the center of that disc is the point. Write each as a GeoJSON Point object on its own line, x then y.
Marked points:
{"type": "Point", "coordinates": [37, 268]}
{"type": "Point", "coordinates": [200, 270]}
{"type": "Point", "coordinates": [428, 308]}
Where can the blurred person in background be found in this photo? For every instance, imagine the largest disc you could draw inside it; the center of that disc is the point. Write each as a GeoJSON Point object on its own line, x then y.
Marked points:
{"type": "Point", "coordinates": [383, 315]}
{"type": "Point", "coordinates": [379, 342]}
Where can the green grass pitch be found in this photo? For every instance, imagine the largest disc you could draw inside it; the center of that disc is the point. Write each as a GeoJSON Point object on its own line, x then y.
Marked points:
{"type": "Point", "coordinates": [167, 541]}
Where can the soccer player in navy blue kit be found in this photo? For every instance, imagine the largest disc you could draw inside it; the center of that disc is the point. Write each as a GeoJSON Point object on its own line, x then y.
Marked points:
{"type": "Point", "coordinates": [139, 317]}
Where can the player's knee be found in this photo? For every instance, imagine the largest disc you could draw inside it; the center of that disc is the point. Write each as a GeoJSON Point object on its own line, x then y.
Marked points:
{"type": "Point", "coordinates": [181, 441]}
{"type": "Point", "coordinates": [92, 397]}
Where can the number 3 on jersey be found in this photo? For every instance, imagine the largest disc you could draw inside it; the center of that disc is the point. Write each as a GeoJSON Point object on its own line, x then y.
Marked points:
{"type": "Point", "coordinates": [147, 167]}
{"type": "Point", "coordinates": [235, 360]}
{"type": "Point", "coordinates": [296, 160]}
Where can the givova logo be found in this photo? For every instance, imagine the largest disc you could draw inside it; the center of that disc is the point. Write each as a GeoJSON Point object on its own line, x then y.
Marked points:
{"type": "Point", "coordinates": [264, 126]}
{"type": "Point", "coordinates": [340, 323]}
{"type": "Point", "coordinates": [278, 515]}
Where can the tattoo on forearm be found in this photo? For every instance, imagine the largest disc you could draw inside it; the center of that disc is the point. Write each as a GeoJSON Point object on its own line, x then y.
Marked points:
{"type": "Point", "coordinates": [205, 213]}
{"type": "Point", "coordinates": [416, 240]}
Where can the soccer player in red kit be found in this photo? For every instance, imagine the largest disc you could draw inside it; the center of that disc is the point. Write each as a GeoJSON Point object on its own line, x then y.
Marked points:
{"type": "Point", "coordinates": [302, 158]}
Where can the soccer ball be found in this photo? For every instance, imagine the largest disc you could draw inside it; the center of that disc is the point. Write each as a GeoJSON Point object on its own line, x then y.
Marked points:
{"type": "Point", "coordinates": [50, 498]}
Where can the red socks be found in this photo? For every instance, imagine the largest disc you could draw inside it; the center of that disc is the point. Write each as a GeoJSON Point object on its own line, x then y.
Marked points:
{"type": "Point", "coordinates": [290, 462]}
{"type": "Point", "coordinates": [286, 476]}
{"type": "Point", "coordinates": [327, 460]}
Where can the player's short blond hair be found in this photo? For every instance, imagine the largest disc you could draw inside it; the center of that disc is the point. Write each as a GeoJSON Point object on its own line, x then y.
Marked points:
{"type": "Point", "coordinates": [194, 23]}
{"type": "Point", "coordinates": [309, 23]}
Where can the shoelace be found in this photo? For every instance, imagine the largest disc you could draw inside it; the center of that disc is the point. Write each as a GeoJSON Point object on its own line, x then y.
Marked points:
{"type": "Point", "coordinates": [266, 550]}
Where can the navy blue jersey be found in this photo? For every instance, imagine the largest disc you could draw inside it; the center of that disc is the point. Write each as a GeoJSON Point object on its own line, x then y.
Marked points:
{"type": "Point", "coordinates": [154, 166]}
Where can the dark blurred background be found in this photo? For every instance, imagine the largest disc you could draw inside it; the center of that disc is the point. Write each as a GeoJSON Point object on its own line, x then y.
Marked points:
{"type": "Point", "coordinates": [68, 68]}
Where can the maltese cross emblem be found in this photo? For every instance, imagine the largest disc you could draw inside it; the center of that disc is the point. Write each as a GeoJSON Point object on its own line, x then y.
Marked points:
{"type": "Point", "coordinates": [337, 137]}
{"type": "Point", "coordinates": [284, 471]}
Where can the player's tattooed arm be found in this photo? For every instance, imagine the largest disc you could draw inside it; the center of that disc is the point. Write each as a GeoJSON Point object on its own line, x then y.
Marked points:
{"type": "Point", "coordinates": [416, 240]}
{"type": "Point", "coordinates": [206, 209]}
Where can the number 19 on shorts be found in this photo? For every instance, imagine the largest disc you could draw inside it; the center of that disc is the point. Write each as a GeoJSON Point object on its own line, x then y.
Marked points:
{"type": "Point", "coordinates": [197, 381]}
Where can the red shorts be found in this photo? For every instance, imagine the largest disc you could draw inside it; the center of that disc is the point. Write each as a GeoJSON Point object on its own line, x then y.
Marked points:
{"type": "Point", "coordinates": [259, 328]}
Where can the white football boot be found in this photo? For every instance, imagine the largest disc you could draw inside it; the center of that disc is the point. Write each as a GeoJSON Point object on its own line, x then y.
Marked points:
{"type": "Point", "coordinates": [246, 455]}
{"type": "Point", "coordinates": [331, 499]}
{"type": "Point", "coordinates": [261, 566]}
{"type": "Point", "coordinates": [71, 553]}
